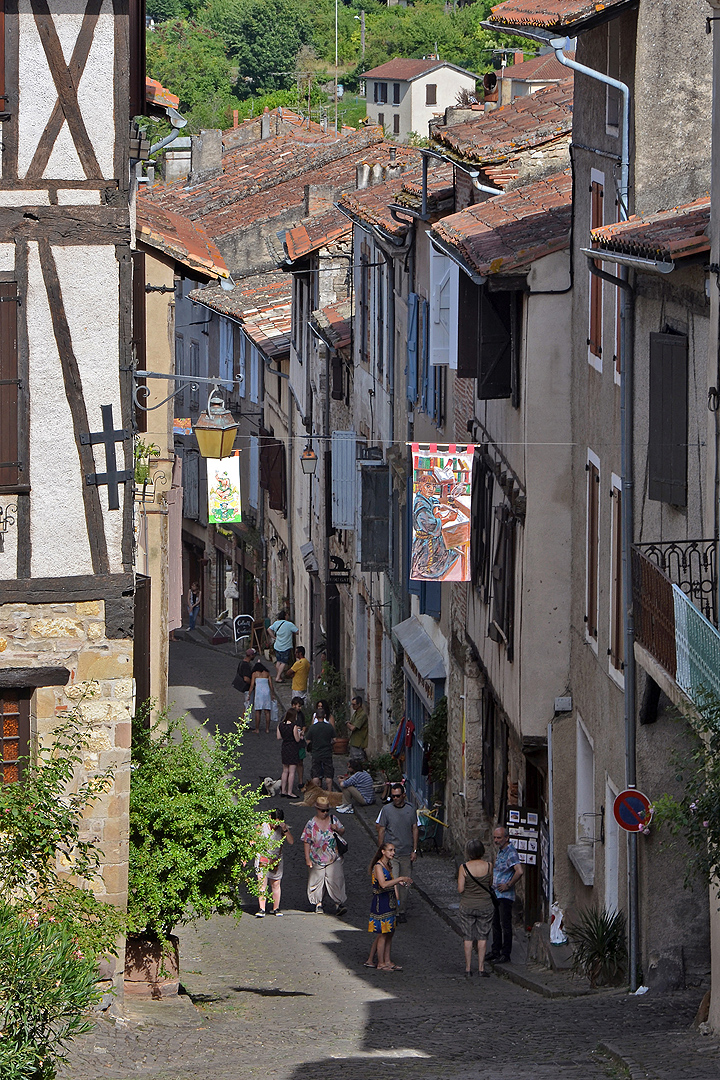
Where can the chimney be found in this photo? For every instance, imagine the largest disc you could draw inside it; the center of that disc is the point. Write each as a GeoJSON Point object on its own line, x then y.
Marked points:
{"type": "Point", "coordinates": [518, 57]}
{"type": "Point", "coordinates": [206, 153]}
{"type": "Point", "coordinates": [319, 198]}
{"type": "Point", "coordinates": [265, 124]}
{"type": "Point", "coordinates": [393, 153]}
{"type": "Point", "coordinates": [362, 176]}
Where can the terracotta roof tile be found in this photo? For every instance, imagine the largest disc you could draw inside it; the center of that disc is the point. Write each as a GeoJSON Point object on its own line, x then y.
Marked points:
{"type": "Point", "coordinates": [334, 323]}
{"type": "Point", "coordinates": [316, 233]}
{"type": "Point", "coordinates": [372, 205]}
{"type": "Point", "coordinates": [501, 134]}
{"type": "Point", "coordinates": [406, 69]}
{"type": "Point", "coordinates": [507, 233]}
{"type": "Point", "coordinates": [262, 304]}
{"type": "Point", "coordinates": [665, 235]}
{"type": "Point", "coordinates": [545, 68]}
{"type": "Point", "coordinates": [156, 94]}
{"type": "Point", "coordinates": [555, 15]}
{"type": "Point", "coordinates": [181, 239]}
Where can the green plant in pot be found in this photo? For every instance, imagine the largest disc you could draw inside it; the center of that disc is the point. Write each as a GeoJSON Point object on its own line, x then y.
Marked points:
{"type": "Point", "coordinates": [599, 946]}
{"type": "Point", "coordinates": [143, 454]}
{"type": "Point", "coordinates": [194, 834]}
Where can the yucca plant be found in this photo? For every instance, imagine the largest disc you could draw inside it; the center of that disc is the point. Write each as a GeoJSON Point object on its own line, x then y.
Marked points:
{"type": "Point", "coordinates": [599, 946]}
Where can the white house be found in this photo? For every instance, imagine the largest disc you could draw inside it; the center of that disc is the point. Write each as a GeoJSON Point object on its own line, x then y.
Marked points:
{"type": "Point", "coordinates": [404, 95]}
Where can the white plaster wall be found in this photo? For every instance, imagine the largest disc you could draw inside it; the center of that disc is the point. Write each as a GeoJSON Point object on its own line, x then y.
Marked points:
{"type": "Point", "coordinates": [24, 198]}
{"type": "Point", "coordinates": [7, 256]}
{"type": "Point", "coordinates": [95, 93]}
{"type": "Point", "coordinates": [78, 197]}
{"type": "Point", "coordinates": [8, 556]}
{"type": "Point", "coordinates": [449, 83]}
{"type": "Point", "coordinates": [36, 89]}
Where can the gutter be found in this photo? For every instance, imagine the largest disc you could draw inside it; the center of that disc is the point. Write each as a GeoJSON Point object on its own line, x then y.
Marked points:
{"type": "Point", "coordinates": [635, 262]}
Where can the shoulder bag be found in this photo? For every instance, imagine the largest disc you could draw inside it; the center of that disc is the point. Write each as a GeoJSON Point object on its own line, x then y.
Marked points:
{"type": "Point", "coordinates": [490, 892]}
{"type": "Point", "coordinates": [341, 845]}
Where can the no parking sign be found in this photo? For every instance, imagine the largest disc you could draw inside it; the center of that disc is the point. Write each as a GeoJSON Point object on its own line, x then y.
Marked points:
{"type": "Point", "coordinates": [632, 810]}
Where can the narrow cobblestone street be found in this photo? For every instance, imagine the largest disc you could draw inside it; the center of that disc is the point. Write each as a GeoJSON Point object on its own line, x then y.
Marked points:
{"type": "Point", "coordinates": [290, 998]}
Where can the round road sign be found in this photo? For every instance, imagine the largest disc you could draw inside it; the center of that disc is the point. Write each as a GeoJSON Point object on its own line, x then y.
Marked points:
{"type": "Point", "coordinates": [632, 810]}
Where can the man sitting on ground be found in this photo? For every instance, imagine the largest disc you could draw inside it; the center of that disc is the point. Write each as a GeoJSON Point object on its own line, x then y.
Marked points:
{"type": "Point", "coordinates": [356, 788]}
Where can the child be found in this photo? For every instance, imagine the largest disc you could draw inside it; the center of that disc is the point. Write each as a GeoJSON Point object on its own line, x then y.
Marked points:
{"type": "Point", "coordinates": [384, 906]}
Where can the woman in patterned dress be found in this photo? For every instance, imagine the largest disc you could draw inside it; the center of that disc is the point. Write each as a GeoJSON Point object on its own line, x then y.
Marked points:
{"type": "Point", "coordinates": [384, 905]}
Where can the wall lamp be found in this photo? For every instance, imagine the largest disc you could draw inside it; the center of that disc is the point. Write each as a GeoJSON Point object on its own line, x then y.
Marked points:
{"type": "Point", "coordinates": [308, 460]}
{"type": "Point", "coordinates": [215, 429]}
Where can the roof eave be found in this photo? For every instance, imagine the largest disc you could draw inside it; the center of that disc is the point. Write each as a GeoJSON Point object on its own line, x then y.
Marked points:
{"type": "Point", "coordinates": [634, 262]}
{"type": "Point", "coordinates": [567, 29]}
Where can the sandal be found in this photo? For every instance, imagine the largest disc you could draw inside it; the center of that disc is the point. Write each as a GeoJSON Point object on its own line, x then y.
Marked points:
{"type": "Point", "coordinates": [369, 965]}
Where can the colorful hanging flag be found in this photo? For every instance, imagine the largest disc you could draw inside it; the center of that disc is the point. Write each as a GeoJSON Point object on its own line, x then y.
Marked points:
{"type": "Point", "coordinates": [442, 483]}
{"type": "Point", "coordinates": [223, 481]}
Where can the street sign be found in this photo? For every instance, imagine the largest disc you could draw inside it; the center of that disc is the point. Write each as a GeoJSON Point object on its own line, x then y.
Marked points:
{"type": "Point", "coordinates": [632, 810]}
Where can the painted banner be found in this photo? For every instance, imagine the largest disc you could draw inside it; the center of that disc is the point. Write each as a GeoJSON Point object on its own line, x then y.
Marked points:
{"type": "Point", "coordinates": [442, 483]}
{"type": "Point", "coordinates": [223, 481]}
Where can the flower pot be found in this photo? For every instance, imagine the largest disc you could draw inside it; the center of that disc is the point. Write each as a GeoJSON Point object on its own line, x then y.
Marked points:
{"type": "Point", "coordinates": [152, 970]}
{"type": "Point", "coordinates": [340, 746]}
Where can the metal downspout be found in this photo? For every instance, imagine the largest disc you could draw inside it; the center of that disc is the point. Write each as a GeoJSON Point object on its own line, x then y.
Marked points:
{"type": "Point", "coordinates": [627, 315]}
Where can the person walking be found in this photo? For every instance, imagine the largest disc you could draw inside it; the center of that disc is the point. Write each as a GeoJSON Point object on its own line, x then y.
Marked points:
{"type": "Point", "coordinates": [506, 873]}
{"type": "Point", "coordinates": [297, 705]}
{"type": "Point", "coordinates": [477, 904]}
{"type": "Point", "coordinates": [283, 631]}
{"type": "Point", "coordinates": [300, 672]}
{"type": "Point", "coordinates": [243, 678]}
{"type": "Point", "coordinates": [397, 823]}
{"type": "Point", "coordinates": [384, 905]}
{"type": "Point", "coordinates": [194, 597]}
{"type": "Point", "coordinates": [289, 734]}
{"type": "Point", "coordinates": [270, 867]}
{"type": "Point", "coordinates": [263, 691]}
{"type": "Point", "coordinates": [357, 788]}
{"type": "Point", "coordinates": [358, 728]}
{"type": "Point", "coordinates": [319, 742]}
{"type": "Point", "coordinates": [323, 859]}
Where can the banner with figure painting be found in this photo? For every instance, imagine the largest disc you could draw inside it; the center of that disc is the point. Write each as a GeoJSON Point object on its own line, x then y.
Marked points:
{"type": "Point", "coordinates": [223, 481]}
{"type": "Point", "coordinates": [441, 487]}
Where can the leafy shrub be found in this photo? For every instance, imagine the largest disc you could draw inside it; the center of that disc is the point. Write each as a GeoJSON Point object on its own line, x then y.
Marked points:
{"type": "Point", "coordinates": [435, 738]}
{"type": "Point", "coordinates": [385, 764]}
{"type": "Point", "coordinates": [599, 946]}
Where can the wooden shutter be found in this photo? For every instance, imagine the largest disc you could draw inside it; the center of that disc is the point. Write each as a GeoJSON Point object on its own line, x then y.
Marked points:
{"type": "Point", "coordinates": [412, 349]}
{"type": "Point", "coordinates": [396, 123]}
{"type": "Point", "coordinates": [396, 93]}
{"type": "Point", "coordinates": [468, 327]}
{"type": "Point", "coordinates": [327, 458]}
{"type": "Point", "coordinates": [431, 599]}
{"type": "Point", "coordinates": [431, 93]}
{"type": "Point", "coordinates": [343, 471]}
{"type": "Point", "coordinates": [138, 106]}
{"type": "Point", "coordinates": [273, 453]}
{"type": "Point", "coordinates": [667, 450]}
{"type": "Point", "coordinates": [14, 733]}
{"type": "Point", "coordinates": [593, 544]}
{"type": "Point", "coordinates": [481, 517]}
{"type": "Point", "coordinates": [503, 582]}
{"type": "Point", "coordinates": [375, 517]}
{"type": "Point", "coordinates": [3, 91]}
{"type": "Point", "coordinates": [444, 286]}
{"type": "Point", "coordinates": [495, 344]}
{"type": "Point", "coordinates": [616, 609]}
{"type": "Point", "coordinates": [488, 753]}
{"type": "Point", "coordinates": [191, 484]}
{"type": "Point", "coordinates": [10, 395]}
{"type": "Point", "coordinates": [596, 292]}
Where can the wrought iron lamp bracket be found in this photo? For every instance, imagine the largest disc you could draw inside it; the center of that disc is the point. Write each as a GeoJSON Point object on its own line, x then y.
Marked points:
{"type": "Point", "coordinates": [6, 520]}
{"type": "Point", "coordinates": [193, 381]}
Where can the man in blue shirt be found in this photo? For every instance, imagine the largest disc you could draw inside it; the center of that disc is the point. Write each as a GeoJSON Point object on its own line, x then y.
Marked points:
{"type": "Point", "coordinates": [283, 630]}
{"type": "Point", "coordinates": [356, 788]}
{"type": "Point", "coordinates": [507, 871]}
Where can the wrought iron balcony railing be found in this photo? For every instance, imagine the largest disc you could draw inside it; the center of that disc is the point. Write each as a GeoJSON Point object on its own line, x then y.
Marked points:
{"type": "Point", "coordinates": [692, 565]}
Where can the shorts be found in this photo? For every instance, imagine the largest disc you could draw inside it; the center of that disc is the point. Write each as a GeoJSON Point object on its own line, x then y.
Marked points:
{"type": "Point", "coordinates": [323, 768]}
{"type": "Point", "coordinates": [476, 924]}
{"type": "Point", "coordinates": [283, 656]}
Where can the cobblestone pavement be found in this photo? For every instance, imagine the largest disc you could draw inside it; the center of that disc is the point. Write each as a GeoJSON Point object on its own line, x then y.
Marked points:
{"type": "Point", "coordinates": [290, 998]}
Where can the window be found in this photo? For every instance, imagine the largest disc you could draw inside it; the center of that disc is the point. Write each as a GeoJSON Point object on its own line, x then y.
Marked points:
{"type": "Point", "coordinates": [254, 375]}
{"type": "Point", "coordinates": [381, 119]}
{"type": "Point", "coordinates": [483, 489]}
{"type": "Point", "coordinates": [380, 93]}
{"type": "Point", "coordinates": [273, 476]}
{"type": "Point", "coordinates": [596, 286]}
{"type": "Point", "coordinates": [241, 350]}
{"type": "Point", "coordinates": [14, 733]}
{"type": "Point", "coordinates": [396, 123]}
{"type": "Point", "coordinates": [592, 547]}
{"type": "Point", "coordinates": [667, 447]}
{"type": "Point", "coordinates": [444, 285]}
{"type": "Point", "coordinates": [180, 370]}
{"type": "Point", "coordinates": [396, 93]}
{"type": "Point", "coordinates": [375, 518]}
{"type": "Point", "coordinates": [380, 318]}
{"type": "Point", "coordinates": [489, 339]}
{"type": "Point", "coordinates": [437, 406]}
{"type": "Point", "coordinates": [12, 473]}
{"type": "Point", "coordinates": [584, 785]}
{"type": "Point", "coordinates": [502, 615]}
{"type": "Point", "coordinates": [365, 270]}
{"type": "Point", "coordinates": [139, 297]}
{"type": "Point", "coordinates": [430, 94]}
{"type": "Point", "coordinates": [138, 105]}
{"type": "Point", "coordinates": [616, 650]}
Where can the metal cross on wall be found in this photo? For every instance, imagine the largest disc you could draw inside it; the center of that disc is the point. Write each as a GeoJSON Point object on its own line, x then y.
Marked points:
{"type": "Point", "coordinates": [112, 477]}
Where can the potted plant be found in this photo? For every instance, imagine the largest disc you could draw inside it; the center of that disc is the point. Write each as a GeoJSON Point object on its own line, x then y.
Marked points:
{"type": "Point", "coordinates": [332, 689]}
{"type": "Point", "coordinates": [143, 454]}
{"type": "Point", "coordinates": [194, 835]}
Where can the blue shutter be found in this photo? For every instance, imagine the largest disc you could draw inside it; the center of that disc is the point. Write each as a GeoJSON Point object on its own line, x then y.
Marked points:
{"type": "Point", "coordinates": [242, 346]}
{"type": "Point", "coordinates": [344, 479]}
{"type": "Point", "coordinates": [431, 602]}
{"type": "Point", "coordinates": [424, 360]}
{"type": "Point", "coordinates": [225, 363]}
{"type": "Point", "coordinates": [412, 348]}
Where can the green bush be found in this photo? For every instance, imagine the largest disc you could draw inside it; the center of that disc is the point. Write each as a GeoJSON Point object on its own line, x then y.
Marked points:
{"type": "Point", "coordinates": [435, 738]}
{"type": "Point", "coordinates": [194, 828]}
{"type": "Point", "coordinates": [599, 946]}
{"type": "Point", "coordinates": [385, 764]}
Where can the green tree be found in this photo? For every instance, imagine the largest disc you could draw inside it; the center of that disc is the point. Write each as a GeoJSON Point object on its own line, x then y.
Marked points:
{"type": "Point", "coordinates": [192, 62]}
{"type": "Point", "coordinates": [263, 38]}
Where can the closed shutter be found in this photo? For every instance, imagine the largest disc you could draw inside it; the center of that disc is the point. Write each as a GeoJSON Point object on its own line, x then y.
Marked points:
{"type": "Point", "coordinates": [11, 467]}
{"type": "Point", "coordinates": [375, 518]}
{"type": "Point", "coordinates": [138, 105]}
{"type": "Point", "coordinates": [142, 644]}
{"type": "Point", "coordinates": [423, 349]}
{"type": "Point", "coordinates": [596, 290]}
{"type": "Point", "coordinates": [191, 484]}
{"type": "Point", "coordinates": [327, 459]}
{"type": "Point", "coordinates": [138, 328]}
{"type": "Point", "coordinates": [414, 585]}
{"type": "Point", "coordinates": [412, 349]}
{"type": "Point", "coordinates": [444, 286]}
{"type": "Point", "coordinates": [254, 375]}
{"type": "Point", "coordinates": [241, 344]}
{"type": "Point", "coordinates": [503, 582]}
{"type": "Point", "coordinates": [226, 359]}
{"type": "Point", "coordinates": [254, 478]}
{"type": "Point", "coordinates": [343, 479]}
{"type": "Point", "coordinates": [617, 654]}
{"type": "Point", "coordinates": [273, 471]}
{"type": "Point", "coordinates": [495, 369]}
{"type": "Point", "coordinates": [482, 518]}
{"type": "Point", "coordinates": [14, 734]}
{"type": "Point", "coordinates": [488, 753]}
{"type": "Point", "coordinates": [667, 450]}
{"type": "Point", "coordinates": [431, 599]}
{"type": "Point", "coordinates": [468, 327]}
{"type": "Point", "coordinates": [593, 544]}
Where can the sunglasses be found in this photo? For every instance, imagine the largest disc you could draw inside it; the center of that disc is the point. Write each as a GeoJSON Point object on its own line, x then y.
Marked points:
{"type": "Point", "coordinates": [323, 810]}
{"type": "Point", "coordinates": [398, 795]}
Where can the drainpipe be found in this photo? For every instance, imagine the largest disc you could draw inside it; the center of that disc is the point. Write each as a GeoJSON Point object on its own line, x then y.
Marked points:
{"type": "Point", "coordinates": [178, 122]}
{"type": "Point", "coordinates": [627, 315]}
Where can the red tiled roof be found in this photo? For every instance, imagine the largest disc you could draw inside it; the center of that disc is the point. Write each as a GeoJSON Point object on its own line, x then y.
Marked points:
{"type": "Point", "coordinates": [270, 330]}
{"type": "Point", "coordinates": [372, 205]}
{"type": "Point", "coordinates": [288, 120]}
{"type": "Point", "coordinates": [334, 323]}
{"type": "Point", "coordinates": [407, 70]}
{"type": "Point", "coordinates": [507, 233]}
{"type": "Point", "coordinates": [262, 304]}
{"type": "Point", "coordinates": [555, 15]}
{"type": "Point", "coordinates": [527, 122]}
{"type": "Point", "coordinates": [156, 94]}
{"type": "Point", "coordinates": [665, 235]}
{"type": "Point", "coordinates": [181, 239]}
{"type": "Point", "coordinates": [545, 68]}
{"type": "Point", "coordinates": [316, 233]}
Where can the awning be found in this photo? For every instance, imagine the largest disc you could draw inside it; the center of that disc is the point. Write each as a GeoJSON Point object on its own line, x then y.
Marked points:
{"type": "Point", "coordinates": [419, 646]}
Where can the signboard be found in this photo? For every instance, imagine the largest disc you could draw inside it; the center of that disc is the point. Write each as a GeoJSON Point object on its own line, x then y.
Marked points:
{"type": "Point", "coordinates": [339, 573]}
{"type": "Point", "coordinates": [632, 810]}
{"type": "Point", "coordinates": [442, 482]}
{"type": "Point", "coordinates": [223, 481]}
{"type": "Point", "coordinates": [523, 825]}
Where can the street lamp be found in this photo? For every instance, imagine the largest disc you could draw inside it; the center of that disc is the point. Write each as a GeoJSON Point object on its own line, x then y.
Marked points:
{"type": "Point", "coordinates": [308, 460]}
{"type": "Point", "coordinates": [215, 429]}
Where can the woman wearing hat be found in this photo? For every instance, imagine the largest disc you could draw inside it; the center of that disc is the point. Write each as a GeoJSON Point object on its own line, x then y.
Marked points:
{"type": "Point", "coordinates": [322, 858]}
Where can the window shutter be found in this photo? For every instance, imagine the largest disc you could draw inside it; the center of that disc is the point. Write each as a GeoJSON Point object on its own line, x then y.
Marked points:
{"type": "Point", "coordinates": [444, 286]}
{"type": "Point", "coordinates": [14, 734]}
{"type": "Point", "coordinates": [423, 349]}
{"type": "Point", "coordinates": [343, 479]}
{"type": "Point", "coordinates": [139, 297]}
{"type": "Point", "coordinates": [277, 476]}
{"type": "Point", "coordinates": [329, 530]}
{"type": "Point", "coordinates": [431, 599]}
{"type": "Point", "coordinates": [191, 471]}
{"type": "Point", "coordinates": [254, 375]}
{"type": "Point", "coordinates": [254, 478]}
{"type": "Point", "coordinates": [481, 518]}
{"type": "Point", "coordinates": [412, 348]}
{"type": "Point", "coordinates": [593, 543]}
{"type": "Point", "coordinates": [596, 290]}
{"type": "Point", "coordinates": [617, 644]}
{"type": "Point", "coordinates": [375, 518]}
{"type": "Point", "coordinates": [241, 347]}
{"type": "Point", "coordinates": [667, 449]}
{"type": "Point", "coordinates": [225, 365]}
{"type": "Point", "coordinates": [10, 465]}
{"type": "Point", "coordinates": [336, 370]}
{"type": "Point", "coordinates": [495, 344]}
{"type": "Point", "coordinates": [503, 583]}
{"type": "Point", "coordinates": [468, 327]}
{"type": "Point", "coordinates": [138, 106]}
{"type": "Point", "coordinates": [431, 93]}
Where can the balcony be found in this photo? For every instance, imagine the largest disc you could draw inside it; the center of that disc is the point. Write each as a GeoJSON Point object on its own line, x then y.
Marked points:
{"type": "Point", "coordinates": [674, 599]}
